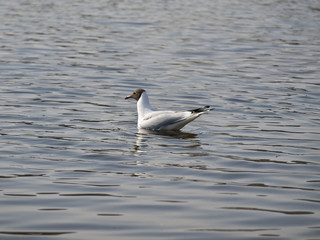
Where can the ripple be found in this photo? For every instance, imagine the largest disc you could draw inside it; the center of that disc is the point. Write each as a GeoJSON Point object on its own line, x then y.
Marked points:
{"type": "Point", "coordinates": [234, 230]}
{"type": "Point", "coordinates": [93, 195]}
{"type": "Point", "coordinates": [39, 233]}
{"type": "Point", "coordinates": [110, 214]}
{"type": "Point", "coordinates": [270, 210]}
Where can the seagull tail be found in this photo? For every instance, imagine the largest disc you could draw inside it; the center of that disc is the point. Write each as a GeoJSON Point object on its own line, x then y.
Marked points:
{"type": "Point", "coordinates": [202, 109]}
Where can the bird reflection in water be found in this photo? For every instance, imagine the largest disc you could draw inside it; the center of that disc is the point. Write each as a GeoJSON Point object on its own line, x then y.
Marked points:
{"type": "Point", "coordinates": [144, 135]}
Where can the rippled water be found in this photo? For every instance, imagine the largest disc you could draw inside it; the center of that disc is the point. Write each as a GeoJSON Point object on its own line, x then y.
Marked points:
{"type": "Point", "coordinates": [73, 164]}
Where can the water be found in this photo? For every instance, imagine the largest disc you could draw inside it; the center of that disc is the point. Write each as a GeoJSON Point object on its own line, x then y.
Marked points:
{"type": "Point", "coordinates": [73, 164]}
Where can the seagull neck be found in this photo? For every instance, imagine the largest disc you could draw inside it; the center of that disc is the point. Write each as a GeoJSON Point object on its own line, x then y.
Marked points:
{"type": "Point", "coordinates": [143, 105]}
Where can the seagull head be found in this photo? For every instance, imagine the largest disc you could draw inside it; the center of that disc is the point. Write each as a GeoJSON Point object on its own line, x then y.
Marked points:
{"type": "Point", "coordinates": [136, 94]}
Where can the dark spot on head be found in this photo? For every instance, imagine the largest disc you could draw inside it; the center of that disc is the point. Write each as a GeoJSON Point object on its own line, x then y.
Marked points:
{"type": "Point", "coordinates": [136, 94]}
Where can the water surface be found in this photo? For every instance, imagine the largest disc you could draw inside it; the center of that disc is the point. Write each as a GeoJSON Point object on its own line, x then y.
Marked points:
{"type": "Point", "coordinates": [73, 164]}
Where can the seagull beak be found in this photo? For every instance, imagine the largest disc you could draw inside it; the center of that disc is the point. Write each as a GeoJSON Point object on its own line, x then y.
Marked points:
{"type": "Point", "coordinates": [127, 97]}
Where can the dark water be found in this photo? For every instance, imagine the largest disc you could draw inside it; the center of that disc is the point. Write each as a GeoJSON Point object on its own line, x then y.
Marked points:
{"type": "Point", "coordinates": [74, 166]}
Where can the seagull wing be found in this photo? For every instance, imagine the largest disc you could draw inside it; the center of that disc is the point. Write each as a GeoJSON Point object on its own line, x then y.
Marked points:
{"type": "Point", "coordinates": [169, 120]}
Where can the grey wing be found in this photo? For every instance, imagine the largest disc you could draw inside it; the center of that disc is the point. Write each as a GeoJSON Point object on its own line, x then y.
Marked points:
{"type": "Point", "coordinates": [158, 120]}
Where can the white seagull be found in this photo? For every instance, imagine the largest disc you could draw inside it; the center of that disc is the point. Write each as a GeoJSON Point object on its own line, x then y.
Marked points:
{"type": "Point", "coordinates": [149, 118]}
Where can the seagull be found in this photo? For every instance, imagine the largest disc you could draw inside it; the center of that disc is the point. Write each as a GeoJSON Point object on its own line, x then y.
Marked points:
{"type": "Point", "coordinates": [152, 119]}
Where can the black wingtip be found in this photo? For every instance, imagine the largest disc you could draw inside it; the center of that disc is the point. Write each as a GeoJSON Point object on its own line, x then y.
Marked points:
{"type": "Point", "coordinates": [202, 109]}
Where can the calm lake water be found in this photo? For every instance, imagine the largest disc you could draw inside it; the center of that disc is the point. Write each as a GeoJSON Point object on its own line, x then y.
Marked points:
{"type": "Point", "coordinates": [73, 164]}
